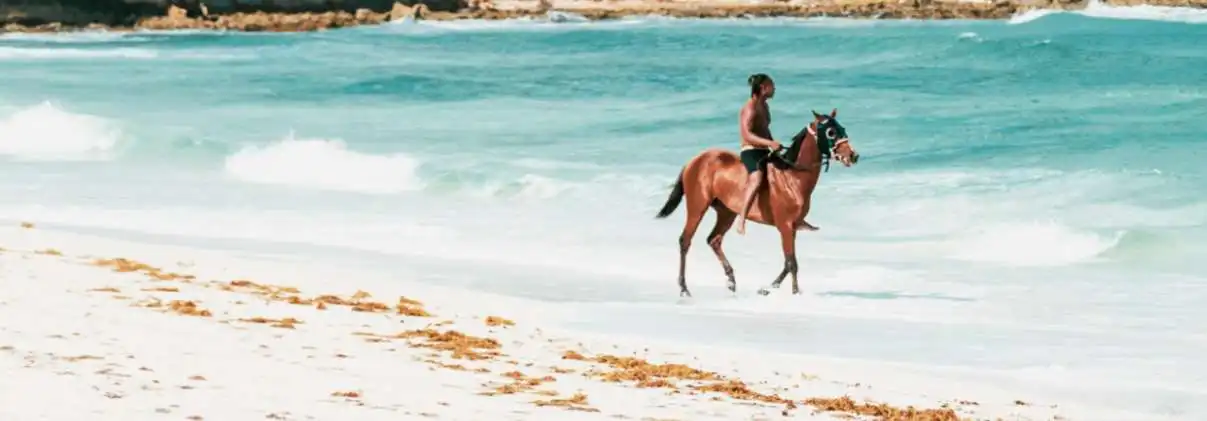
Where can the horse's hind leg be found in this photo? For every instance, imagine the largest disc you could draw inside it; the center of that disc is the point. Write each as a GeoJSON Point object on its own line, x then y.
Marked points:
{"type": "Point", "coordinates": [696, 207]}
{"type": "Point", "coordinates": [725, 218]}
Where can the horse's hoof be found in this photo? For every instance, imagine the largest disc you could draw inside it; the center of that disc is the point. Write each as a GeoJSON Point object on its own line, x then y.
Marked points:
{"type": "Point", "coordinates": [685, 294]}
{"type": "Point", "coordinates": [764, 292]}
{"type": "Point", "coordinates": [796, 292]}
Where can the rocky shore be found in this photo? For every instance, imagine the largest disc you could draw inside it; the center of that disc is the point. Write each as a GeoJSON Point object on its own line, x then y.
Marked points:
{"type": "Point", "coordinates": [306, 15]}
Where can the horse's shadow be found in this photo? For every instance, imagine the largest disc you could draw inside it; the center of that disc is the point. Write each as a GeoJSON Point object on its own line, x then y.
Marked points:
{"type": "Point", "coordinates": [892, 295]}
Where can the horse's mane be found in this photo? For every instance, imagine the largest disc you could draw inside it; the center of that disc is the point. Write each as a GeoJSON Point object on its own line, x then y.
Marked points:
{"type": "Point", "coordinates": [788, 158]}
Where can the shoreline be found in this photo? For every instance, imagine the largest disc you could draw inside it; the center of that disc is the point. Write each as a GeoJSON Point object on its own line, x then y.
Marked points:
{"type": "Point", "coordinates": [127, 337]}
{"type": "Point", "coordinates": [488, 10]}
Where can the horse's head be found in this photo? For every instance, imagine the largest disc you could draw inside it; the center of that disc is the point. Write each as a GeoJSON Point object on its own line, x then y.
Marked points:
{"type": "Point", "coordinates": [831, 137]}
{"type": "Point", "coordinates": [832, 140]}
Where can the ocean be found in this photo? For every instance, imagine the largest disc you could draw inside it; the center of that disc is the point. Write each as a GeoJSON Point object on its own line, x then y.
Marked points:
{"type": "Point", "coordinates": [1029, 206]}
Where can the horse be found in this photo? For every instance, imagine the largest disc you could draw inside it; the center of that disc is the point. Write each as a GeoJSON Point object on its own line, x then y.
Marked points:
{"type": "Point", "coordinates": [715, 178]}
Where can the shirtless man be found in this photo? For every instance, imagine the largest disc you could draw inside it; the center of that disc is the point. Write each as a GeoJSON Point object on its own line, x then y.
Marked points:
{"type": "Point", "coordinates": [755, 128]}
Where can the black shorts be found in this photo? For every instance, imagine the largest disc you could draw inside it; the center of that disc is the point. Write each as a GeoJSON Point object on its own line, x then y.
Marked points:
{"type": "Point", "coordinates": [755, 159]}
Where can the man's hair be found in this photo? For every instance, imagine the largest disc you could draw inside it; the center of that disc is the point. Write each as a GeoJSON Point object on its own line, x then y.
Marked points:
{"type": "Point", "coordinates": [756, 81]}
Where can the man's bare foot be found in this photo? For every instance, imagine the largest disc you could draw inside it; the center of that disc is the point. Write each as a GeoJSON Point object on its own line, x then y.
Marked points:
{"type": "Point", "coordinates": [741, 228]}
{"type": "Point", "coordinates": [805, 226]}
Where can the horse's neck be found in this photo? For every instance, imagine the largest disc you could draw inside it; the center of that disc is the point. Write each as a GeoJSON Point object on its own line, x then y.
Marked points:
{"type": "Point", "coordinates": [807, 153]}
{"type": "Point", "coordinates": [802, 182]}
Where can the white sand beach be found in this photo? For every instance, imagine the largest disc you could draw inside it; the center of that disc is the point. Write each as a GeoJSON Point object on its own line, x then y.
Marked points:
{"type": "Point", "coordinates": [177, 333]}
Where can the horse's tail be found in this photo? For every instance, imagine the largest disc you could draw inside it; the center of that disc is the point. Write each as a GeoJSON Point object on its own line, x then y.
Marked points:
{"type": "Point", "coordinates": [675, 198]}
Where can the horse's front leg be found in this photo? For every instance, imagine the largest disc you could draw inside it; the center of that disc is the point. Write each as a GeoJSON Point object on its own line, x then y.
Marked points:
{"type": "Point", "coordinates": [790, 259]}
{"type": "Point", "coordinates": [788, 243]}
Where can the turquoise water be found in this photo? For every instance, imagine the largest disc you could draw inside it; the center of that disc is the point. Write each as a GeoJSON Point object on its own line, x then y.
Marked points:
{"type": "Point", "coordinates": [1029, 203]}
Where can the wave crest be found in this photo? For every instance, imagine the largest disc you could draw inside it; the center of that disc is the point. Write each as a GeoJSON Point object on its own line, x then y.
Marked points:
{"type": "Point", "coordinates": [80, 37]}
{"type": "Point", "coordinates": [324, 165]}
{"type": "Point", "coordinates": [1032, 244]}
{"type": "Point", "coordinates": [46, 132]}
{"type": "Point", "coordinates": [37, 53]}
{"type": "Point", "coordinates": [1096, 9]}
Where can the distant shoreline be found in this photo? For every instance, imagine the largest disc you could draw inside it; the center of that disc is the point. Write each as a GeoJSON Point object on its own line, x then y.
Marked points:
{"type": "Point", "coordinates": [179, 19]}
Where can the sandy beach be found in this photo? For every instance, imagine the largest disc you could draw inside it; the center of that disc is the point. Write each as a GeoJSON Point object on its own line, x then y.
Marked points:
{"type": "Point", "coordinates": [142, 331]}
{"type": "Point", "coordinates": [455, 220]}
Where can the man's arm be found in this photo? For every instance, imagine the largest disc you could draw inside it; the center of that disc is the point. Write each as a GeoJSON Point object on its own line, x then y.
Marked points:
{"type": "Point", "coordinates": [747, 123]}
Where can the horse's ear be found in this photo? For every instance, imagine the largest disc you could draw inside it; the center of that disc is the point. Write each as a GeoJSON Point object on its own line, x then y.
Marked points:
{"type": "Point", "coordinates": [834, 113]}
{"type": "Point", "coordinates": [816, 116]}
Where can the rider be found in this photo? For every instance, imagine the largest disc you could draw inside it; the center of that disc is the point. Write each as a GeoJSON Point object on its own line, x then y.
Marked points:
{"type": "Point", "coordinates": [755, 130]}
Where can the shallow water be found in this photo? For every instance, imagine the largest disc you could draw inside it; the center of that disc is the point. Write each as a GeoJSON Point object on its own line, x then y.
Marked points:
{"type": "Point", "coordinates": [1029, 200]}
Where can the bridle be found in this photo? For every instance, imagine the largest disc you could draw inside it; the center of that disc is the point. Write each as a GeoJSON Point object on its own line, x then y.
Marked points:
{"type": "Point", "coordinates": [826, 144]}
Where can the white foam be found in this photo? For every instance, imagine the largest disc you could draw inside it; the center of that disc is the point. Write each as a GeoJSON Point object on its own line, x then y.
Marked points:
{"type": "Point", "coordinates": [542, 187]}
{"type": "Point", "coordinates": [198, 31]}
{"type": "Point", "coordinates": [325, 165]}
{"type": "Point", "coordinates": [559, 16]}
{"type": "Point", "coordinates": [552, 20]}
{"type": "Point", "coordinates": [1030, 15]}
{"type": "Point", "coordinates": [815, 21]}
{"type": "Point", "coordinates": [25, 53]}
{"type": "Point", "coordinates": [1096, 9]}
{"type": "Point", "coordinates": [1030, 244]}
{"type": "Point", "coordinates": [48, 52]}
{"type": "Point", "coordinates": [550, 164]}
{"type": "Point", "coordinates": [558, 20]}
{"type": "Point", "coordinates": [46, 132]}
{"type": "Point", "coordinates": [528, 186]}
{"type": "Point", "coordinates": [830, 22]}
{"type": "Point", "coordinates": [72, 37]}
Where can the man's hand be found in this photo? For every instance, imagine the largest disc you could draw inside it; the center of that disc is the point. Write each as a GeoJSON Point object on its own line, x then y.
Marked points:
{"type": "Point", "coordinates": [775, 146]}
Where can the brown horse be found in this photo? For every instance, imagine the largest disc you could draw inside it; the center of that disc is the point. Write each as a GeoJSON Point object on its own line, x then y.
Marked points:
{"type": "Point", "coordinates": [714, 178]}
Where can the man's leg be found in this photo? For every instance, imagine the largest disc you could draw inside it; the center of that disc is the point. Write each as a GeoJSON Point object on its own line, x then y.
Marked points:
{"type": "Point", "coordinates": [752, 187]}
{"type": "Point", "coordinates": [805, 226]}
